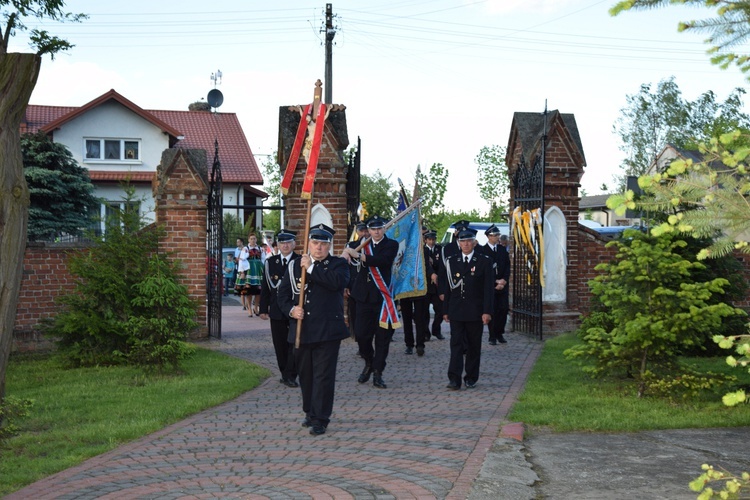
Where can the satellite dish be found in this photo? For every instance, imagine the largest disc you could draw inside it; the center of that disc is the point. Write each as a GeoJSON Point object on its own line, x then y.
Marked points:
{"type": "Point", "coordinates": [215, 98]}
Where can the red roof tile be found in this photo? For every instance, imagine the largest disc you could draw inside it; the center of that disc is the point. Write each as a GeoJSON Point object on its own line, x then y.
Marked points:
{"type": "Point", "coordinates": [103, 176]}
{"type": "Point", "coordinates": [199, 129]}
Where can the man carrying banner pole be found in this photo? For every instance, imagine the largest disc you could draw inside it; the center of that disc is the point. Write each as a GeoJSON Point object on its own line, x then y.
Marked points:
{"type": "Point", "coordinates": [376, 309]}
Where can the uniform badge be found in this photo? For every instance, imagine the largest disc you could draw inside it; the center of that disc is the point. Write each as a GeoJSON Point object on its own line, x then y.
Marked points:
{"type": "Point", "coordinates": [275, 277]}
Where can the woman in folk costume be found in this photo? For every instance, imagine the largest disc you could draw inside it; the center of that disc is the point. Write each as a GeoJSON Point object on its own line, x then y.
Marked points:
{"type": "Point", "coordinates": [254, 256]}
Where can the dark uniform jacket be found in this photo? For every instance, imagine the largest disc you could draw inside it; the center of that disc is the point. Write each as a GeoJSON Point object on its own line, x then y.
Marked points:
{"type": "Point", "coordinates": [468, 287]}
{"type": "Point", "coordinates": [364, 288]}
{"type": "Point", "coordinates": [502, 264]}
{"type": "Point", "coordinates": [354, 266]}
{"type": "Point", "coordinates": [435, 261]}
{"type": "Point", "coordinates": [324, 300]}
{"type": "Point", "coordinates": [273, 271]}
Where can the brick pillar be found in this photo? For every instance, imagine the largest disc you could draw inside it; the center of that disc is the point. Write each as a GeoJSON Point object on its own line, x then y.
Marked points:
{"type": "Point", "coordinates": [330, 177]}
{"type": "Point", "coordinates": [562, 176]}
{"type": "Point", "coordinates": [180, 190]}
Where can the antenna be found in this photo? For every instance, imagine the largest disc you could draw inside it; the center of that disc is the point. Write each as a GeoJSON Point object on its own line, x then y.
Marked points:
{"type": "Point", "coordinates": [215, 98]}
{"type": "Point", "coordinates": [216, 78]}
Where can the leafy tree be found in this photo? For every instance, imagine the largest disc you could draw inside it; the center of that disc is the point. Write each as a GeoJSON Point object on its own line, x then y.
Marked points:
{"type": "Point", "coordinates": [378, 194]}
{"type": "Point", "coordinates": [493, 181]}
{"type": "Point", "coordinates": [272, 185]}
{"type": "Point", "coordinates": [128, 306]}
{"type": "Point", "coordinates": [432, 188]}
{"type": "Point", "coordinates": [18, 75]}
{"type": "Point", "coordinates": [729, 29]}
{"type": "Point", "coordinates": [15, 13]}
{"type": "Point", "coordinates": [651, 119]}
{"type": "Point", "coordinates": [653, 310]}
{"type": "Point", "coordinates": [233, 229]}
{"type": "Point", "coordinates": [61, 192]}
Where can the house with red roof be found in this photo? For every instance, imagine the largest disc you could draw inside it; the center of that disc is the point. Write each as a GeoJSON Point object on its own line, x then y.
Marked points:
{"type": "Point", "coordinates": [117, 140]}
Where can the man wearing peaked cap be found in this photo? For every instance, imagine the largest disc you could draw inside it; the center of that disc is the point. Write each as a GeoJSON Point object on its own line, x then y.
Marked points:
{"type": "Point", "coordinates": [451, 248]}
{"type": "Point", "coordinates": [376, 309]}
{"type": "Point", "coordinates": [467, 288]}
{"type": "Point", "coordinates": [323, 327]}
{"type": "Point", "coordinates": [495, 251]}
{"type": "Point", "coordinates": [432, 254]}
{"type": "Point", "coordinates": [273, 271]}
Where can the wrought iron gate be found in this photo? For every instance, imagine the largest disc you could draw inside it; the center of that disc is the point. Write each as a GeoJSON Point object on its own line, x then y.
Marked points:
{"type": "Point", "coordinates": [352, 188]}
{"type": "Point", "coordinates": [214, 240]}
{"type": "Point", "coordinates": [526, 310]}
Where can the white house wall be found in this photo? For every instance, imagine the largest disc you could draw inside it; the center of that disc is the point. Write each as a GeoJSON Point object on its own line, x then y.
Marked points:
{"type": "Point", "coordinates": [112, 120]}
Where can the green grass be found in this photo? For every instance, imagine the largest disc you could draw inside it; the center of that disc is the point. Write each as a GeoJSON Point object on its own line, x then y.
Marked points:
{"type": "Point", "coordinates": [561, 397]}
{"type": "Point", "coordinates": [83, 412]}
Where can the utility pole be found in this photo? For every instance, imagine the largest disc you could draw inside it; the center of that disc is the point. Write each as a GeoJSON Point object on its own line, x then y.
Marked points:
{"type": "Point", "coordinates": [330, 33]}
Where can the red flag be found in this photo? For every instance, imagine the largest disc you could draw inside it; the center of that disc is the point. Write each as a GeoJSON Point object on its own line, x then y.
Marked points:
{"type": "Point", "coordinates": [312, 163]}
{"type": "Point", "coordinates": [299, 140]}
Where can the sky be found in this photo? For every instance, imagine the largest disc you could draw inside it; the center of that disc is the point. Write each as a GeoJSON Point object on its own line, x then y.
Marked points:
{"type": "Point", "coordinates": [423, 81]}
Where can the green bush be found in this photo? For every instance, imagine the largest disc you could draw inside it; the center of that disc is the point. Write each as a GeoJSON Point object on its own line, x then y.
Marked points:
{"type": "Point", "coordinates": [650, 310]}
{"type": "Point", "coordinates": [127, 306]}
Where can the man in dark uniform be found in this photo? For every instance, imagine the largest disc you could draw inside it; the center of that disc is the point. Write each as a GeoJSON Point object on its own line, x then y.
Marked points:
{"type": "Point", "coordinates": [494, 250]}
{"type": "Point", "coordinates": [354, 268]}
{"type": "Point", "coordinates": [376, 310]}
{"type": "Point", "coordinates": [273, 270]}
{"type": "Point", "coordinates": [432, 253]}
{"type": "Point", "coordinates": [467, 288]}
{"type": "Point", "coordinates": [323, 326]}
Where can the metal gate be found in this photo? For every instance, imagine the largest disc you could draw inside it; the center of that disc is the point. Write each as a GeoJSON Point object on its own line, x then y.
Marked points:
{"type": "Point", "coordinates": [526, 310]}
{"type": "Point", "coordinates": [214, 239]}
{"type": "Point", "coordinates": [352, 188]}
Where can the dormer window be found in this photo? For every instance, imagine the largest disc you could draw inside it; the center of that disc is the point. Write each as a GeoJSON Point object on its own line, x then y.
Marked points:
{"type": "Point", "coordinates": [112, 150]}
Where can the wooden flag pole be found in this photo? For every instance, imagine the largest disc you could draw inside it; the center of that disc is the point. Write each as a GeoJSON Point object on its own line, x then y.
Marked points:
{"type": "Point", "coordinates": [309, 183]}
{"type": "Point", "coordinates": [303, 276]}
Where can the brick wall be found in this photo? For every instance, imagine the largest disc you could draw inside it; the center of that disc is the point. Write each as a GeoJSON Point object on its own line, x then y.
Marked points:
{"type": "Point", "coordinates": [45, 277]}
{"type": "Point", "coordinates": [181, 194]}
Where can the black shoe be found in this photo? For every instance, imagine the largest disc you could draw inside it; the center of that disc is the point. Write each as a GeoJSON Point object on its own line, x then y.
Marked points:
{"type": "Point", "coordinates": [427, 337]}
{"type": "Point", "coordinates": [377, 381]}
{"type": "Point", "coordinates": [493, 342]}
{"type": "Point", "coordinates": [365, 375]}
{"type": "Point", "coordinates": [439, 336]}
{"type": "Point", "coordinates": [470, 385]}
{"type": "Point", "coordinates": [317, 430]}
{"type": "Point", "coordinates": [502, 340]}
{"type": "Point", "coordinates": [306, 422]}
{"type": "Point", "coordinates": [409, 350]}
{"type": "Point", "coordinates": [453, 386]}
{"type": "Point", "coordinates": [420, 351]}
{"type": "Point", "coordinates": [289, 382]}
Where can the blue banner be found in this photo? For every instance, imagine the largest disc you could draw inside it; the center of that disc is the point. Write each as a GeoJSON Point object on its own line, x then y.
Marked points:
{"type": "Point", "coordinates": [408, 277]}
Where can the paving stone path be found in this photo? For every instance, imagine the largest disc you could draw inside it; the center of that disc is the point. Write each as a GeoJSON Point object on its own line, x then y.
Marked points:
{"type": "Point", "coordinates": [414, 440]}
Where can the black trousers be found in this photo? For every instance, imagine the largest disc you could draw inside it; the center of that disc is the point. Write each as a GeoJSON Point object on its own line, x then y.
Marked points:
{"type": "Point", "coordinates": [317, 379]}
{"type": "Point", "coordinates": [466, 342]}
{"type": "Point", "coordinates": [284, 350]}
{"type": "Point", "coordinates": [413, 309]}
{"type": "Point", "coordinates": [351, 314]}
{"type": "Point", "coordinates": [437, 306]}
{"type": "Point", "coordinates": [373, 340]}
{"type": "Point", "coordinates": [496, 326]}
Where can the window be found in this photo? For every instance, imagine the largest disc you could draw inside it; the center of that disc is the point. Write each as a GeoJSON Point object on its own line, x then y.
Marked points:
{"type": "Point", "coordinates": [112, 150]}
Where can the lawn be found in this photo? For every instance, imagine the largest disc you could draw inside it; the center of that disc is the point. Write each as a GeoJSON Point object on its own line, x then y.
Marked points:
{"type": "Point", "coordinates": [559, 396]}
{"type": "Point", "coordinates": [83, 412]}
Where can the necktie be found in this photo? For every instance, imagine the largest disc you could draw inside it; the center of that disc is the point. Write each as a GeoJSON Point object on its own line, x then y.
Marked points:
{"type": "Point", "coordinates": [466, 259]}
{"type": "Point", "coordinates": [283, 261]}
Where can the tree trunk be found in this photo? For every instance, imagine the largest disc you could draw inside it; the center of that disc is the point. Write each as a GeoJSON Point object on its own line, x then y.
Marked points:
{"type": "Point", "coordinates": [18, 74]}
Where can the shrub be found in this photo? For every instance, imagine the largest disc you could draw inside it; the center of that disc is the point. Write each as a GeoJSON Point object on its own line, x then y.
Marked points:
{"type": "Point", "coordinates": [127, 306]}
{"type": "Point", "coordinates": [651, 310]}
